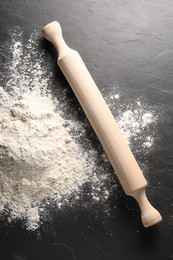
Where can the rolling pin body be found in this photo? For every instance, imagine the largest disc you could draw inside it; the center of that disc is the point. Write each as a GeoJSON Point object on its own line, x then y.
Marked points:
{"type": "Point", "coordinates": [103, 123]}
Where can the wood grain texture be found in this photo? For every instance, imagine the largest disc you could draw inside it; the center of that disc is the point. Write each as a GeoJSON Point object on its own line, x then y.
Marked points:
{"type": "Point", "coordinates": [103, 123]}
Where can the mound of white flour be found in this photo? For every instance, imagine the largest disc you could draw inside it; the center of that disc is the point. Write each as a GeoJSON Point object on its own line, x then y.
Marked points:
{"type": "Point", "coordinates": [38, 157]}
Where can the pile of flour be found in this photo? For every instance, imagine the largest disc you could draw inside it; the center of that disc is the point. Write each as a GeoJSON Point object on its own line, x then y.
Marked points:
{"type": "Point", "coordinates": [38, 157]}
{"type": "Point", "coordinates": [44, 156]}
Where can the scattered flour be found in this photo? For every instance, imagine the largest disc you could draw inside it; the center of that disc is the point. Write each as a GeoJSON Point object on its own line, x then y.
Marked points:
{"type": "Point", "coordinates": [135, 121]}
{"type": "Point", "coordinates": [44, 156]}
{"type": "Point", "coordinates": [41, 157]}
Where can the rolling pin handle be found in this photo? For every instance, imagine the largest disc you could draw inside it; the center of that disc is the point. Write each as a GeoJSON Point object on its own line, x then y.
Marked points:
{"type": "Point", "coordinates": [53, 33]}
{"type": "Point", "coordinates": [149, 215]}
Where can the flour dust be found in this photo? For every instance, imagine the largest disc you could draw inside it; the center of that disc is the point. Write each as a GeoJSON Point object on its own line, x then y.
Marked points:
{"type": "Point", "coordinates": [137, 121]}
{"type": "Point", "coordinates": [45, 157]}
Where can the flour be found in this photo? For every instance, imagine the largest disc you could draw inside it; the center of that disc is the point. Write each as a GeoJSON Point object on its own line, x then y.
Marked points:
{"type": "Point", "coordinates": [41, 158]}
{"type": "Point", "coordinates": [45, 157]}
{"type": "Point", "coordinates": [37, 155]}
{"type": "Point", "coordinates": [135, 120]}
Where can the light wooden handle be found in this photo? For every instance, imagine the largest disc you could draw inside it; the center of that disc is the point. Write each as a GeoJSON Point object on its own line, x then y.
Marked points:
{"type": "Point", "coordinates": [103, 123]}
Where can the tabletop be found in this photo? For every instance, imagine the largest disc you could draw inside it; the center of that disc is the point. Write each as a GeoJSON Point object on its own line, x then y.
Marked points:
{"type": "Point", "coordinates": [128, 48]}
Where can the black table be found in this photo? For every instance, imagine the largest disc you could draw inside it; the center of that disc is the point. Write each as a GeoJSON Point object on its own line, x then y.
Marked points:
{"type": "Point", "coordinates": [119, 42]}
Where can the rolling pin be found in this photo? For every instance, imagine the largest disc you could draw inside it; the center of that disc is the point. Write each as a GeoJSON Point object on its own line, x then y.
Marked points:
{"type": "Point", "coordinates": [103, 123]}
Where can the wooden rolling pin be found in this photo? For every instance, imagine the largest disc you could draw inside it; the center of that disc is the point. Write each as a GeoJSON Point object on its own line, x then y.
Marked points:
{"type": "Point", "coordinates": [103, 123]}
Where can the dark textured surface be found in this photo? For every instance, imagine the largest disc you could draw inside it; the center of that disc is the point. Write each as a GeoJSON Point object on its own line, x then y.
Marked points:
{"type": "Point", "coordinates": [128, 43]}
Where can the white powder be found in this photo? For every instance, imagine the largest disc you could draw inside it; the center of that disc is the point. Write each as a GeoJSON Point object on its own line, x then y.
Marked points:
{"type": "Point", "coordinates": [38, 156]}
{"type": "Point", "coordinates": [44, 156]}
{"type": "Point", "coordinates": [135, 121]}
{"type": "Point", "coordinates": [41, 158]}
